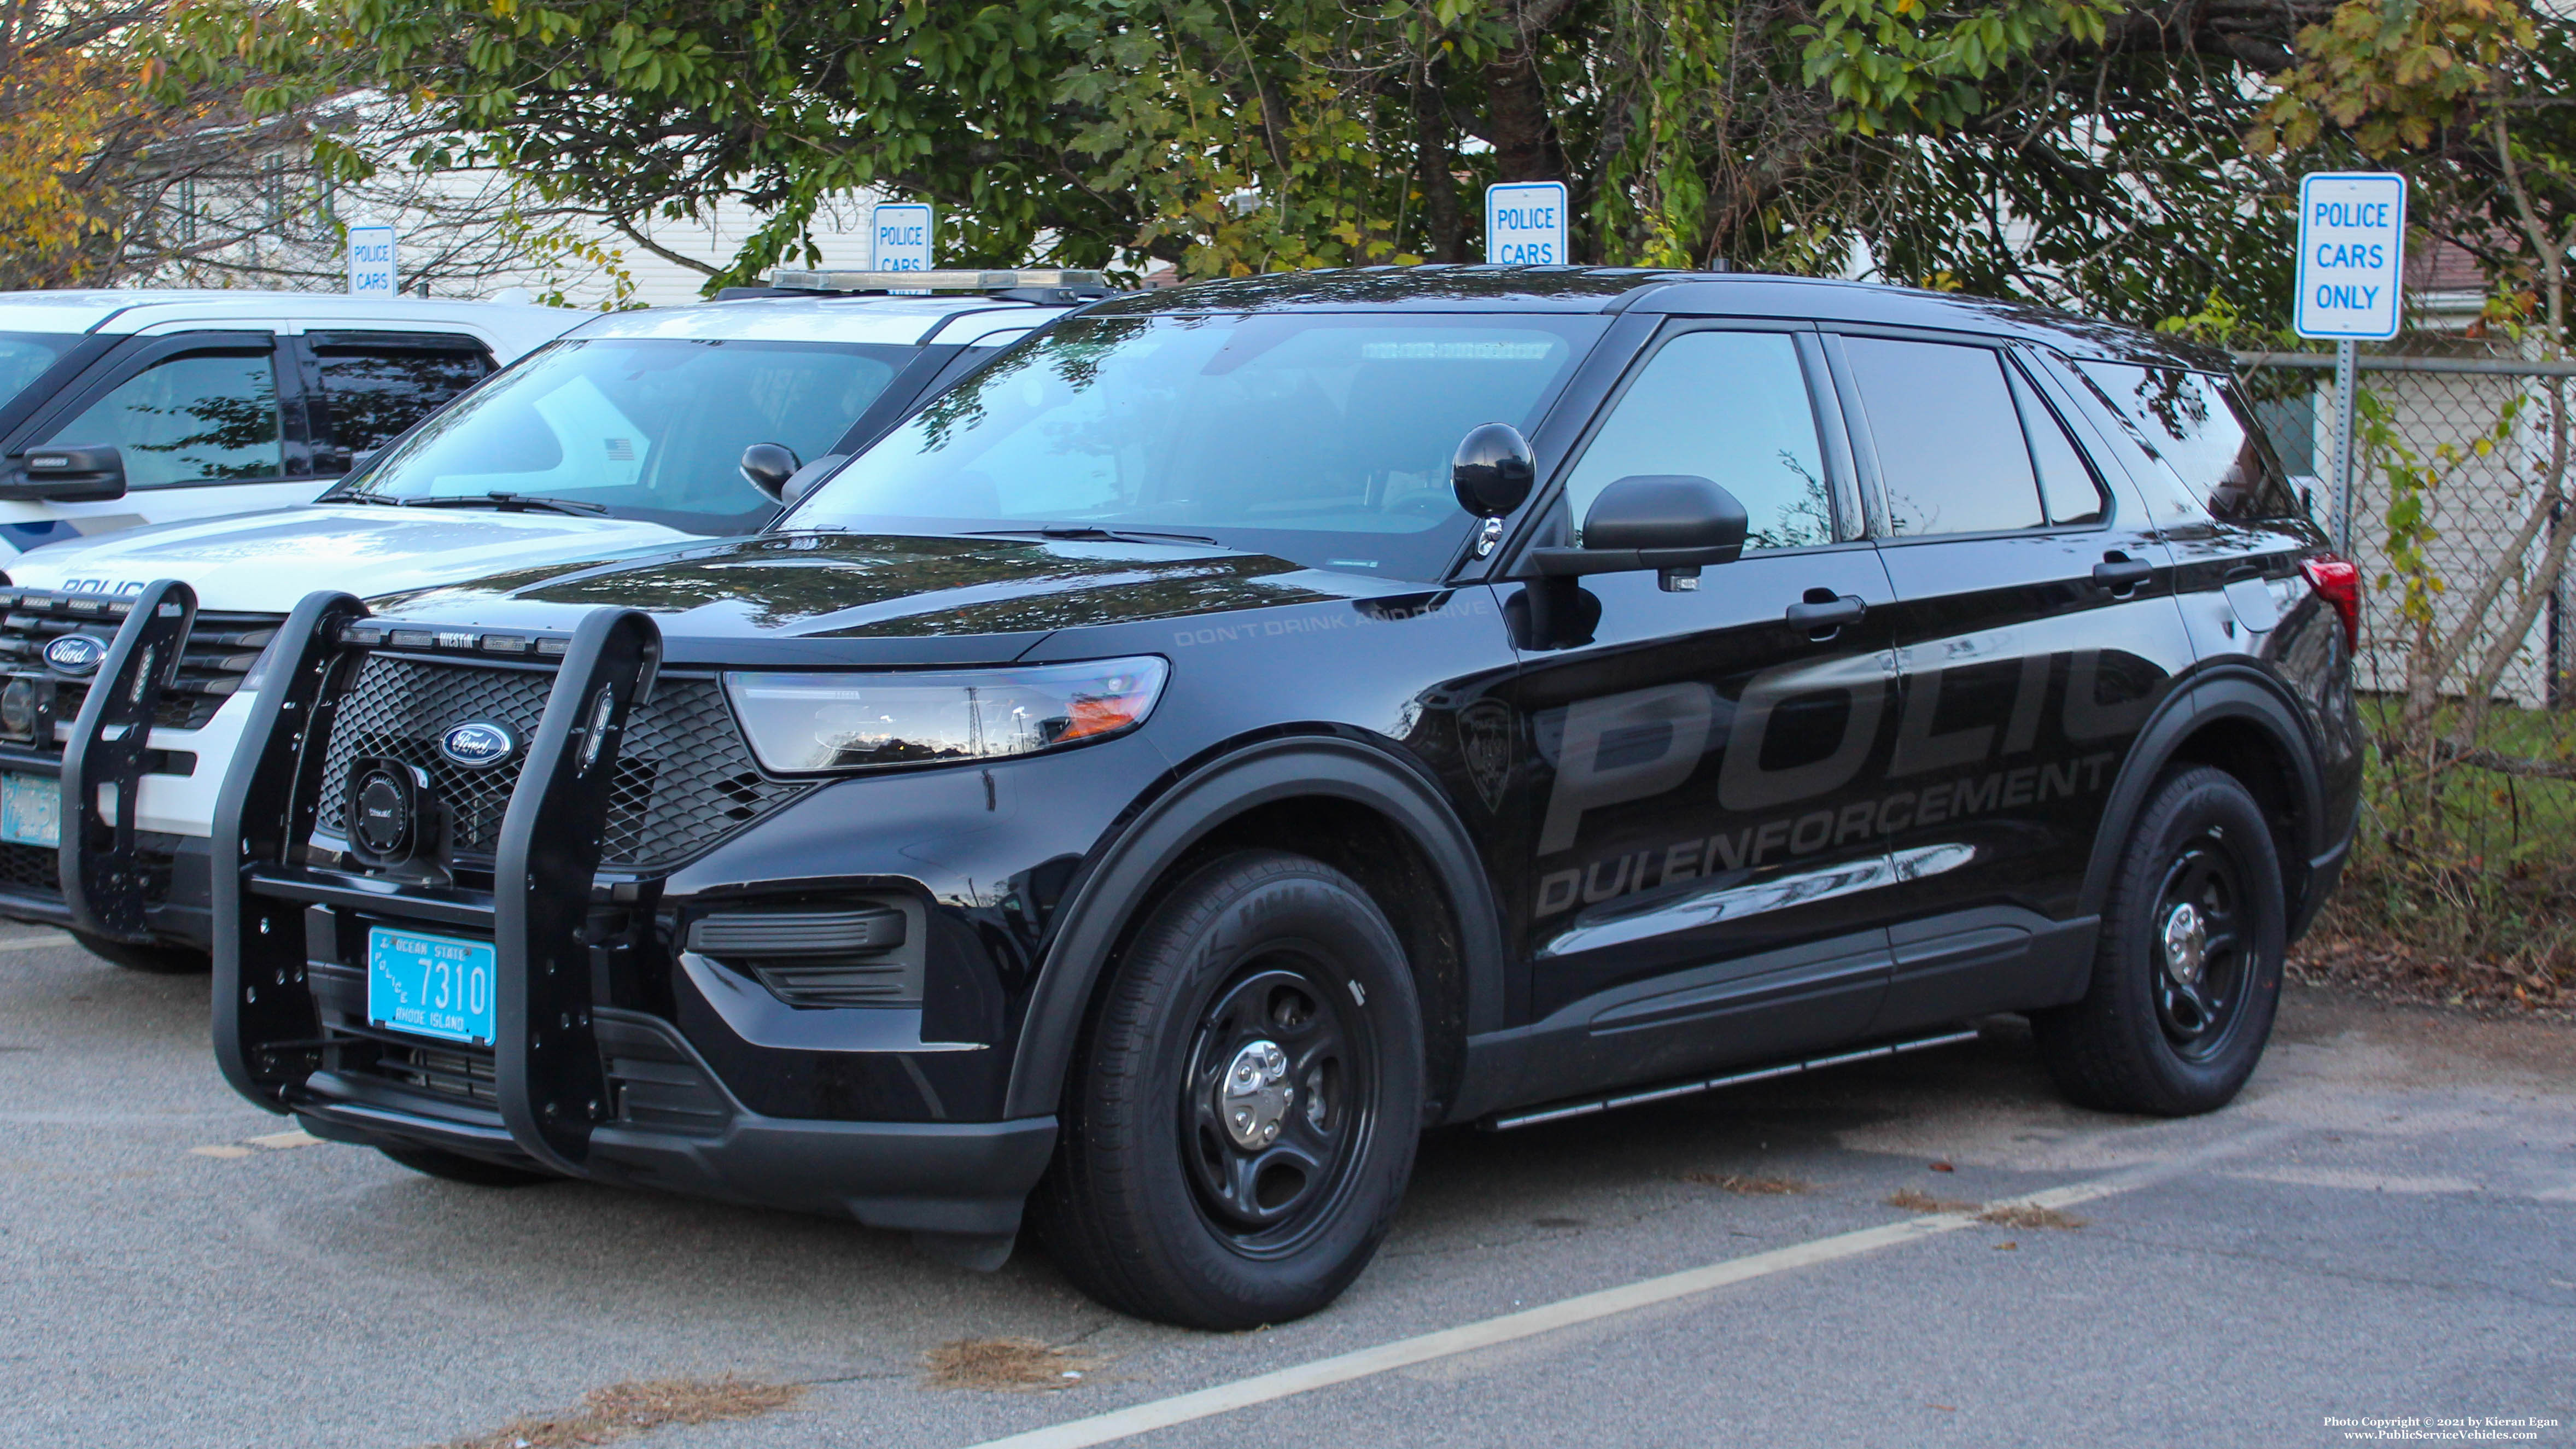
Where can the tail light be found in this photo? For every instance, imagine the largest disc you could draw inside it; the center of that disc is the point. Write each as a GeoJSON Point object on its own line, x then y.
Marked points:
{"type": "Point", "coordinates": [2338, 582]}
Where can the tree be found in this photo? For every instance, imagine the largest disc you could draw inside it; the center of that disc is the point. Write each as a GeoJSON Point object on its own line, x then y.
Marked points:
{"type": "Point", "coordinates": [2073, 150]}
{"type": "Point", "coordinates": [2468, 97]}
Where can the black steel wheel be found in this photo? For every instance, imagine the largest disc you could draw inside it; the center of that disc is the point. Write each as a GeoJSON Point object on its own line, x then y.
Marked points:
{"type": "Point", "coordinates": [1278, 1103]}
{"type": "Point", "coordinates": [2187, 974]}
{"type": "Point", "coordinates": [1245, 1100]}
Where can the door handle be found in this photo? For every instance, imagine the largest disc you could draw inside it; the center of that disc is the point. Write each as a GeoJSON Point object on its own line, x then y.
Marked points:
{"type": "Point", "coordinates": [1821, 615]}
{"type": "Point", "coordinates": [2123, 574]}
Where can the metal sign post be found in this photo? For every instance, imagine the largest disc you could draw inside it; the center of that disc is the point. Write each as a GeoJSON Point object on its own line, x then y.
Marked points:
{"type": "Point", "coordinates": [2352, 260]}
{"type": "Point", "coordinates": [1525, 223]}
{"type": "Point", "coordinates": [371, 262]}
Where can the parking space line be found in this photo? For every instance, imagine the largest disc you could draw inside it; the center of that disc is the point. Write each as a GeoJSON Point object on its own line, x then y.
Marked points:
{"type": "Point", "coordinates": [31, 943]}
{"type": "Point", "coordinates": [1585, 1308]}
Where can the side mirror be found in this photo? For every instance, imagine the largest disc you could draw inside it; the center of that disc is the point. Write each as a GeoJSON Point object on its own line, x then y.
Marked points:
{"type": "Point", "coordinates": [806, 477]}
{"type": "Point", "coordinates": [70, 475]}
{"type": "Point", "coordinates": [768, 466]}
{"type": "Point", "coordinates": [1493, 471]}
{"type": "Point", "coordinates": [1672, 523]}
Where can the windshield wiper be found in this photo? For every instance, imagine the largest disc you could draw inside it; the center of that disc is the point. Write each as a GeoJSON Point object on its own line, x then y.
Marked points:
{"type": "Point", "coordinates": [1116, 535]}
{"type": "Point", "coordinates": [377, 499]}
{"type": "Point", "coordinates": [506, 502]}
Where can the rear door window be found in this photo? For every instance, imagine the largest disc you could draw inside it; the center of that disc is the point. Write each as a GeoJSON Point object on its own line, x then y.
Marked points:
{"type": "Point", "coordinates": [2193, 424]}
{"type": "Point", "coordinates": [372, 389]}
{"type": "Point", "coordinates": [1952, 456]}
{"type": "Point", "coordinates": [199, 417]}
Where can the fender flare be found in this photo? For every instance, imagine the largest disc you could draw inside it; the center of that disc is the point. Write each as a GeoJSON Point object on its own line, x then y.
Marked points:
{"type": "Point", "coordinates": [2224, 693]}
{"type": "Point", "coordinates": [1209, 796]}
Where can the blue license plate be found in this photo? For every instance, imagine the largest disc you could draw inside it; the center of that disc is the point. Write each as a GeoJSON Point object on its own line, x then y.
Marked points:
{"type": "Point", "coordinates": [31, 811]}
{"type": "Point", "coordinates": [431, 985]}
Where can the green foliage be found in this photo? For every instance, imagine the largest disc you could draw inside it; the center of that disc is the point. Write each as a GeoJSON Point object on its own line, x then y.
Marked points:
{"type": "Point", "coordinates": [2082, 152]}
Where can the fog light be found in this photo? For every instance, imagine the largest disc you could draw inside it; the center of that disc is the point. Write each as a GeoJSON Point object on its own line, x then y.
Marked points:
{"type": "Point", "coordinates": [18, 708]}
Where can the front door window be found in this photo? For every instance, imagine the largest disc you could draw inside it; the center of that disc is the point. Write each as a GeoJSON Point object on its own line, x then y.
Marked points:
{"type": "Point", "coordinates": [203, 417]}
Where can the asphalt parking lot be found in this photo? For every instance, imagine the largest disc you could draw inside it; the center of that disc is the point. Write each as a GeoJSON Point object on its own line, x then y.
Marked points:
{"type": "Point", "coordinates": [2382, 1229]}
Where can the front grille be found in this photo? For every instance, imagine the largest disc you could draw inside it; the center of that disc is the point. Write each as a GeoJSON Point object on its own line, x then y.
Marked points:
{"type": "Point", "coordinates": [463, 1072]}
{"type": "Point", "coordinates": [221, 648]}
{"type": "Point", "coordinates": [685, 778]}
{"type": "Point", "coordinates": [31, 870]}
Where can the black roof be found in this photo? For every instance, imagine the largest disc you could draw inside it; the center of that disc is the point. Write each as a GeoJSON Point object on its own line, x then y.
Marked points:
{"type": "Point", "coordinates": [1451, 288]}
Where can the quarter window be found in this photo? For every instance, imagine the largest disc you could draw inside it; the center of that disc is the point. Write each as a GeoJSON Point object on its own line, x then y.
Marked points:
{"type": "Point", "coordinates": [2194, 426]}
{"type": "Point", "coordinates": [2066, 485]}
{"type": "Point", "coordinates": [200, 418]}
{"type": "Point", "coordinates": [1951, 453]}
{"type": "Point", "coordinates": [1731, 407]}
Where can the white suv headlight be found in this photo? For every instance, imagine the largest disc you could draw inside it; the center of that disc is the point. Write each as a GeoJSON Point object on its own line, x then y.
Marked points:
{"type": "Point", "coordinates": [800, 723]}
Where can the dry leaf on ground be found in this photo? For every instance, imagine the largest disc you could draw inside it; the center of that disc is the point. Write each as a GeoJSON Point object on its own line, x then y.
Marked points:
{"type": "Point", "coordinates": [2025, 1216]}
{"type": "Point", "coordinates": [1004, 1364]}
{"type": "Point", "coordinates": [634, 1407]}
{"type": "Point", "coordinates": [1923, 1202]}
{"type": "Point", "coordinates": [1747, 1184]}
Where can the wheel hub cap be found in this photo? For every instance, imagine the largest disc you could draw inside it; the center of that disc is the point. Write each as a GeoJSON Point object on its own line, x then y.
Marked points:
{"type": "Point", "coordinates": [2186, 939]}
{"type": "Point", "coordinates": [1254, 1094]}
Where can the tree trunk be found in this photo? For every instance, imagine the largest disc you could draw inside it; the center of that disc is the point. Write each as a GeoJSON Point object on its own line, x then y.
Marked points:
{"type": "Point", "coordinates": [1444, 230]}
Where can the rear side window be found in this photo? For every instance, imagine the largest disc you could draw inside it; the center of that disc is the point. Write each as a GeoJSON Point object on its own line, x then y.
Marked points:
{"type": "Point", "coordinates": [372, 391]}
{"type": "Point", "coordinates": [1951, 452]}
{"type": "Point", "coordinates": [1730, 407]}
{"type": "Point", "coordinates": [2193, 424]}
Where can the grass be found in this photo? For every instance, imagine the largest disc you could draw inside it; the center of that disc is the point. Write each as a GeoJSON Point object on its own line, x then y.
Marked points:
{"type": "Point", "coordinates": [2467, 897]}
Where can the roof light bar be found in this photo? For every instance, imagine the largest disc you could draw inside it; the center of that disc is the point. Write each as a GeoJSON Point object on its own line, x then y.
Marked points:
{"type": "Point", "coordinates": [932, 281]}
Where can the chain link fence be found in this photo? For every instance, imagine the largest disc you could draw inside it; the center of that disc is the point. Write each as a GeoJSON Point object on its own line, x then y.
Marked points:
{"type": "Point", "coordinates": [2467, 857]}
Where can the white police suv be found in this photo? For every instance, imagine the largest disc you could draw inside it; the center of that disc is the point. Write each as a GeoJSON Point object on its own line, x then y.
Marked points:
{"type": "Point", "coordinates": [120, 408]}
{"type": "Point", "coordinates": [126, 663]}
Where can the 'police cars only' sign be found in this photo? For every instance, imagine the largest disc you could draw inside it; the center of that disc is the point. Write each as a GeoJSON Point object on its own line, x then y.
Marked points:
{"type": "Point", "coordinates": [1525, 223]}
{"type": "Point", "coordinates": [899, 234]}
{"type": "Point", "coordinates": [2352, 254]}
{"type": "Point", "coordinates": [371, 262]}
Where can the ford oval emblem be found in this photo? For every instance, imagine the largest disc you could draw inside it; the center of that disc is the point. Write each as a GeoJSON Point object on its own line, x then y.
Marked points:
{"type": "Point", "coordinates": [76, 654]}
{"type": "Point", "coordinates": [477, 744]}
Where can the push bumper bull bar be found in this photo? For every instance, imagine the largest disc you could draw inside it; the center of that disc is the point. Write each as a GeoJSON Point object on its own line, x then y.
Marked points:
{"type": "Point", "coordinates": [555, 1045]}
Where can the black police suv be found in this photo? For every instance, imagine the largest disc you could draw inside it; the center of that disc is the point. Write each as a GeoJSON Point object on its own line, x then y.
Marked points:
{"type": "Point", "coordinates": [1253, 722]}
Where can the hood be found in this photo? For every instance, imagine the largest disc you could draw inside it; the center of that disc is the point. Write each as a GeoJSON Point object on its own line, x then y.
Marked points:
{"type": "Point", "coordinates": [264, 562]}
{"type": "Point", "coordinates": [886, 596]}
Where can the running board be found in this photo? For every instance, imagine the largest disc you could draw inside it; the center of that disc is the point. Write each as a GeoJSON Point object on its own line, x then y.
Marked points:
{"type": "Point", "coordinates": [1506, 1121]}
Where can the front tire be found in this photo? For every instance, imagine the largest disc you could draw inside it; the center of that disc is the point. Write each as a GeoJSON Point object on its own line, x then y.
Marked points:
{"type": "Point", "coordinates": [2187, 975]}
{"type": "Point", "coordinates": [1245, 1102]}
{"type": "Point", "coordinates": [154, 959]}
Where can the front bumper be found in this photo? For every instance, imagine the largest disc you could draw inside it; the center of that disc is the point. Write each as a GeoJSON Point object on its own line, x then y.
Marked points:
{"type": "Point", "coordinates": [675, 1127]}
{"type": "Point", "coordinates": [581, 1079]}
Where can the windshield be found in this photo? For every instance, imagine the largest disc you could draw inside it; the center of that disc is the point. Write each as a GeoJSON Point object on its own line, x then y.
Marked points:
{"type": "Point", "coordinates": [644, 428]}
{"type": "Point", "coordinates": [1323, 439]}
{"type": "Point", "coordinates": [24, 356]}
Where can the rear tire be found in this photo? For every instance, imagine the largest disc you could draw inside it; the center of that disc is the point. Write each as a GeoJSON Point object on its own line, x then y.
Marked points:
{"type": "Point", "coordinates": [157, 960]}
{"type": "Point", "coordinates": [1245, 1101]}
{"type": "Point", "coordinates": [457, 1167]}
{"type": "Point", "coordinates": [2187, 974]}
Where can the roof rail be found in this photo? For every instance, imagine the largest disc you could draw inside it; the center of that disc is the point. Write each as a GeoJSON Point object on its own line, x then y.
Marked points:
{"type": "Point", "coordinates": [934, 281]}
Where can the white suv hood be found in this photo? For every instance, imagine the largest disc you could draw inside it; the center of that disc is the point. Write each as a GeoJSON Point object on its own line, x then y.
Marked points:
{"type": "Point", "coordinates": [265, 562]}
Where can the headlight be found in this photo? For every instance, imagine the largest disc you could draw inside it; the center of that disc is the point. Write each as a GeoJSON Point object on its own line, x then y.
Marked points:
{"type": "Point", "coordinates": [804, 722]}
